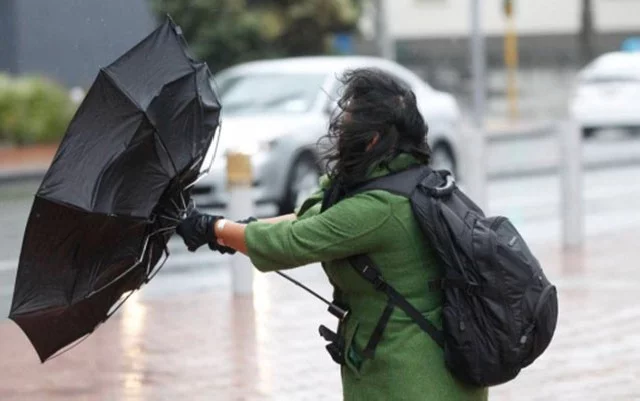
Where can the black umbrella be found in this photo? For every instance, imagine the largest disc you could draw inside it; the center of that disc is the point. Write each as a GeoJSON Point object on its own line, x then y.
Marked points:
{"type": "Point", "coordinates": [115, 191]}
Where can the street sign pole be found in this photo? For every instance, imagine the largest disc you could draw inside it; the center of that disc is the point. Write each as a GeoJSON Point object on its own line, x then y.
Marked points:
{"type": "Point", "coordinates": [475, 144]}
{"type": "Point", "coordinates": [511, 59]}
{"type": "Point", "coordinates": [384, 42]}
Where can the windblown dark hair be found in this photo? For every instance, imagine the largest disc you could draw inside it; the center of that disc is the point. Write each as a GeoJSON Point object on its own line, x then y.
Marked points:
{"type": "Point", "coordinates": [372, 103]}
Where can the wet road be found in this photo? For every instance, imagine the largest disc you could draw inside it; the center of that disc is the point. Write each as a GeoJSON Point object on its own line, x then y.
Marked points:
{"type": "Point", "coordinates": [184, 336]}
{"type": "Point", "coordinates": [209, 345]}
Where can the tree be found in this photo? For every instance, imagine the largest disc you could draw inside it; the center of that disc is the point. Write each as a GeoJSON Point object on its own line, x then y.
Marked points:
{"type": "Point", "coordinates": [226, 32]}
{"type": "Point", "coordinates": [303, 25]}
{"type": "Point", "coordinates": [218, 31]}
{"type": "Point", "coordinates": [586, 39]}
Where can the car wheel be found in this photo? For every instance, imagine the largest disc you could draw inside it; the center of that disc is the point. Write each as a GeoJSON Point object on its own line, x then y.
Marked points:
{"type": "Point", "coordinates": [588, 132]}
{"type": "Point", "coordinates": [442, 158]}
{"type": "Point", "coordinates": [303, 181]}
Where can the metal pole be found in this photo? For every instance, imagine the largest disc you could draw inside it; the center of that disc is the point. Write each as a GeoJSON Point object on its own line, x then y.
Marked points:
{"type": "Point", "coordinates": [475, 143]}
{"type": "Point", "coordinates": [571, 185]}
{"type": "Point", "coordinates": [511, 64]}
{"type": "Point", "coordinates": [240, 206]}
{"type": "Point", "coordinates": [384, 42]}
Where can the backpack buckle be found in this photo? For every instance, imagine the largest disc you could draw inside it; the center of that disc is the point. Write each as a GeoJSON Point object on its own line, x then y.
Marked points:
{"type": "Point", "coordinates": [437, 285]}
{"type": "Point", "coordinates": [373, 276]}
{"type": "Point", "coordinates": [472, 289]}
{"type": "Point", "coordinates": [336, 344]}
{"type": "Point", "coordinates": [380, 285]}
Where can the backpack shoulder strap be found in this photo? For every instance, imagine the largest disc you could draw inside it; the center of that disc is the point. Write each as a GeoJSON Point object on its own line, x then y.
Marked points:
{"type": "Point", "coordinates": [367, 270]}
{"type": "Point", "coordinates": [402, 183]}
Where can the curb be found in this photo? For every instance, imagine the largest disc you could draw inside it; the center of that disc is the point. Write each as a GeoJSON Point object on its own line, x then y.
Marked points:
{"type": "Point", "coordinates": [20, 175]}
{"type": "Point", "coordinates": [532, 132]}
{"type": "Point", "coordinates": [8, 265]}
{"type": "Point", "coordinates": [596, 165]}
{"type": "Point", "coordinates": [495, 136]}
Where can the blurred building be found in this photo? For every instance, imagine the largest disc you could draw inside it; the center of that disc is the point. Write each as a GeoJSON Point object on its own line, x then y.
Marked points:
{"type": "Point", "coordinates": [431, 37]}
{"type": "Point", "coordinates": [69, 40]}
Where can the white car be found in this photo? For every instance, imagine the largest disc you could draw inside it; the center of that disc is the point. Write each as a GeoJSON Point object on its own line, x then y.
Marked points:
{"type": "Point", "coordinates": [277, 110]}
{"type": "Point", "coordinates": [608, 93]}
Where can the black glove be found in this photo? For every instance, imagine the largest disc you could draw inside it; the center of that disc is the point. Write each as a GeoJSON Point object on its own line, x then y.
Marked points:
{"type": "Point", "coordinates": [247, 220]}
{"type": "Point", "coordinates": [214, 246]}
{"type": "Point", "coordinates": [225, 249]}
{"type": "Point", "coordinates": [197, 229]}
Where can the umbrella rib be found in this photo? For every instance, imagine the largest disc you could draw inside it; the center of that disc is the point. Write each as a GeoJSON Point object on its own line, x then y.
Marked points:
{"type": "Point", "coordinates": [115, 82]}
{"type": "Point", "coordinates": [124, 91]}
{"type": "Point", "coordinates": [120, 304]}
{"type": "Point", "coordinates": [163, 216]}
{"type": "Point", "coordinates": [215, 150]}
{"type": "Point", "coordinates": [163, 145]}
{"type": "Point", "coordinates": [75, 278]}
{"type": "Point", "coordinates": [154, 272]}
{"type": "Point", "coordinates": [72, 346]}
{"type": "Point", "coordinates": [98, 180]}
{"type": "Point", "coordinates": [121, 275]}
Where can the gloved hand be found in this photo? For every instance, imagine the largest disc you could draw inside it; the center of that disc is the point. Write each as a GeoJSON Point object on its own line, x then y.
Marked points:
{"type": "Point", "coordinates": [214, 246]}
{"type": "Point", "coordinates": [247, 220]}
{"type": "Point", "coordinates": [222, 249]}
{"type": "Point", "coordinates": [197, 229]}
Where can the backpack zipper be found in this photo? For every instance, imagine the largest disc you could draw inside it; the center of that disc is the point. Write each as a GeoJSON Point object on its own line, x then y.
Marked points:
{"type": "Point", "coordinates": [541, 301]}
{"type": "Point", "coordinates": [543, 297]}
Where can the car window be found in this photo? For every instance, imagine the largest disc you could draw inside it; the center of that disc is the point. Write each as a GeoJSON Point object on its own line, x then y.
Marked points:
{"type": "Point", "coordinates": [269, 93]}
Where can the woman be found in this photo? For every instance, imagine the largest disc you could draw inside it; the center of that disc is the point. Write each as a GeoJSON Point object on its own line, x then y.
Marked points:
{"type": "Point", "coordinates": [379, 130]}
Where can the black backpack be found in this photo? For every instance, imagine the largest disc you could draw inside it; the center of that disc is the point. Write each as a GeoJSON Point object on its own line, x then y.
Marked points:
{"type": "Point", "coordinates": [500, 311]}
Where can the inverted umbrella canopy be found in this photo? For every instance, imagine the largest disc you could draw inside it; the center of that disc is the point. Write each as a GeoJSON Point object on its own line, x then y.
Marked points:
{"type": "Point", "coordinates": [115, 191]}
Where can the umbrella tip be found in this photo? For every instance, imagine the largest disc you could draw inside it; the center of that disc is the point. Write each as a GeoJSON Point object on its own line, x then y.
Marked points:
{"type": "Point", "coordinates": [175, 26]}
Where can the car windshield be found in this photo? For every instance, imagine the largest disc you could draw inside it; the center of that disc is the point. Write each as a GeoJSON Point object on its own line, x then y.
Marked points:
{"type": "Point", "coordinates": [269, 93]}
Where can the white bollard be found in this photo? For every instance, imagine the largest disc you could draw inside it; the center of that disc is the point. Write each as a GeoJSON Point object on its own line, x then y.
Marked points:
{"type": "Point", "coordinates": [240, 206]}
{"type": "Point", "coordinates": [571, 184]}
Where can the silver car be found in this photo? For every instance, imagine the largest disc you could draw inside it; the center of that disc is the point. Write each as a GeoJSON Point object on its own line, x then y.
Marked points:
{"type": "Point", "coordinates": [277, 110]}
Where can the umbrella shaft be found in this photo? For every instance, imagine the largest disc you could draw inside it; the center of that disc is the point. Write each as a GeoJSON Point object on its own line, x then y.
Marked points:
{"type": "Point", "coordinates": [299, 284]}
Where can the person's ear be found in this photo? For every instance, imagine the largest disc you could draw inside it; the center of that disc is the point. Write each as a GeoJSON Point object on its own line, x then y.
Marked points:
{"type": "Point", "coordinates": [373, 142]}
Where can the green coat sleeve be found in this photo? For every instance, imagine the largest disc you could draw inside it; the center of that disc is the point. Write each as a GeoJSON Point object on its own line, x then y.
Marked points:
{"type": "Point", "coordinates": [352, 226]}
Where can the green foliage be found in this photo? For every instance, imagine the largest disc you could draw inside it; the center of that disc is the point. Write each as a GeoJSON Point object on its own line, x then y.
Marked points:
{"type": "Point", "coordinates": [218, 31]}
{"type": "Point", "coordinates": [33, 110]}
{"type": "Point", "coordinates": [226, 32]}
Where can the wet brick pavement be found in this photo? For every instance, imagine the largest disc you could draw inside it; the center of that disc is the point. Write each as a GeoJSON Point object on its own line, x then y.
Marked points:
{"type": "Point", "coordinates": [213, 346]}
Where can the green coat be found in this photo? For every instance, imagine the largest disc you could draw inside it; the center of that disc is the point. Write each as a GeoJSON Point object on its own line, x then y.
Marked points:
{"type": "Point", "coordinates": [407, 364]}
